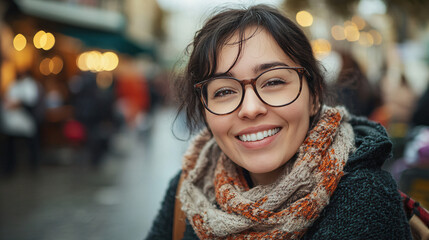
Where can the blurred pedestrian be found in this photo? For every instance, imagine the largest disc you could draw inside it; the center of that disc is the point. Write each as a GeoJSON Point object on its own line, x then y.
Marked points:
{"type": "Point", "coordinates": [94, 123]}
{"type": "Point", "coordinates": [421, 114]}
{"type": "Point", "coordinates": [19, 121]}
{"type": "Point", "coordinates": [353, 88]}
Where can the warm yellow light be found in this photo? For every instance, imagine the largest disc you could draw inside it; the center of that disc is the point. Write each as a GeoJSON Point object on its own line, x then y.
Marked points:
{"type": "Point", "coordinates": [376, 36]}
{"type": "Point", "coordinates": [366, 39]}
{"type": "Point", "coordinates": [51, 66]}
{"type": "Point", "coordinates": [81, 62]}
{"type": "Point", "coordinates": [104, 79]}
{"type": "Point", "coordinates": [360, 22]}
{"type": "Point", "coordinates": [45, 66]}
{"type": "Point", "coordinates": [109, 61]}
{"type": "Point", "coordinates": [338, 32]}
{"type": "Point", "coordinates": [370, 39]}
{"type": "Point", "coordinates": [350, 23]}
{"type": "Point", "coordinates": [352, 33]}
{"type": "Point", "coordinates": [321, 47]}
{"type": "Point", "coordinates": [43, 40]}
{"type": "Point", "coordinates": [8, 75]}
{"type": "Point", "coordinates": [304, 18]}
{"type": "Point", "coordinates": [50, 41]}
{"type": "Point", "coordinates": [39, 39]}
{"type": "Point", "coordinates": [97, 62]}
{"type": "Point", "coordinates": [93, 61]}
{"type": "Point", "coordinates": [19, 42]}
{"type": "Point", "coordinates": [57, 63]}
{"type": "Point", "coordinates": [23, 59]}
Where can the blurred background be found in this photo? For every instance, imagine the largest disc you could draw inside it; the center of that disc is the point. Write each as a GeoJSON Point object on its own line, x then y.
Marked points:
{"type": "Point", "coordinates": [89, 135]}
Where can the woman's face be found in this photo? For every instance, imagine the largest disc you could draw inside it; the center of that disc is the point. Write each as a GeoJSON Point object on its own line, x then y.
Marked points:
{"type": "Point", "coordinates": [262, 158]}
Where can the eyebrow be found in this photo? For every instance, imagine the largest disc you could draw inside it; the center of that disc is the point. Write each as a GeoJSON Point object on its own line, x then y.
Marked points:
{"type": "Point", "coordinates": [257, 69]}
{"type": "Point", "coordinates": [266, 66]}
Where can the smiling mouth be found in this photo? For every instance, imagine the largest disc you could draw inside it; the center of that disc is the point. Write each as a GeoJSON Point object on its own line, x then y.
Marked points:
{"type": "Point", "coordinates": [258, 136]}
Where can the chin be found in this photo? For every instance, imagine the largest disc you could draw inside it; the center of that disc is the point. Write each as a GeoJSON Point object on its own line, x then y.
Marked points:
{"type": "Point", "coordinates": [262, 167]}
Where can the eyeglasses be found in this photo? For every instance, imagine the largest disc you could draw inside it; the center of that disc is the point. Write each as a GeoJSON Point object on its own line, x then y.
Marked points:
{"type": "Point", "coordinates": [275, 87]}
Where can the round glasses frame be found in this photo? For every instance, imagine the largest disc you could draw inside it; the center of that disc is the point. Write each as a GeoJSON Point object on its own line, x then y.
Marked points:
{"type": "Point", "coordinates": [199, 87]}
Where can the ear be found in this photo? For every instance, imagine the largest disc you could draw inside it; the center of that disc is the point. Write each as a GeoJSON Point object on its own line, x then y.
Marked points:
{"type": "Point", "coordinates": [315, 106]}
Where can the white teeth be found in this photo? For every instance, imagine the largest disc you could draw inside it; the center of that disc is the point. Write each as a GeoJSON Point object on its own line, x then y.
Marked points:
{"type": "Point", "coordinates": [258, 136]}
{"type": "Point", "coordinates": [252, 137]}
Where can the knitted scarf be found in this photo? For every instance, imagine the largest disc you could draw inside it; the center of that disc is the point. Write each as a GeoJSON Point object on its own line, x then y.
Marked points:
{"type": "Point", "coordinates": [220, 205]}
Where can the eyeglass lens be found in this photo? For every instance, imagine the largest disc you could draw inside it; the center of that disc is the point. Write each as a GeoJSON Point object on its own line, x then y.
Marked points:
{"type": "Point", "coordinates": [275, 87]}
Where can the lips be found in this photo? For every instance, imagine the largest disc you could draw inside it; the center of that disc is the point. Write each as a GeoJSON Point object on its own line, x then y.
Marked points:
{"type": "Point", "coordinates": [259, 135]}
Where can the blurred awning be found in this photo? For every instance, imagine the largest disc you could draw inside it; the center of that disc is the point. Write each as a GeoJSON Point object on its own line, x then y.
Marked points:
{"type": "Point", "coordinates": [95, 27]}
{"type": "Point", "coordinates": [74, 14]}
{"type": "Point", "coordinates": [108, 40]}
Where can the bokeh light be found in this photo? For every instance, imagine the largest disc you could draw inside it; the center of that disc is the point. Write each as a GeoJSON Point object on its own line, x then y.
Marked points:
{"type": "Point", "coordinates": [350, 23]}
{"type": "Point", "coordinates": [81, 62]}
{"type": "Point", "coordinates": [376, 36]}
{"type": "Point", "coordinates": [48, 65]}
{"type": "Point", "coordinates": [43, 40]}
{"type": "Point", "coordinates": [366, 39]}
{"type": "Point", "coordinates": [44, 66]}
{"type": "Point", "coordinates": [50, 41]}
{"type": "Point", "coordinates": [93, 61]}
{"type": "Point", "coordinates": [97, 62]}
{"type": "Point", "coordinates": [40, 39]}
{"type": "Point", "coordinates": [360, 22]}
{"type": "Point", "coordinates": [109, 61]}
{"type": "Point", "coordinates": [321, 48]}
{"type": "Point", "coordinates": [338, 33]}
{"type": "Point", "coordinates": [304, 18]}
{"type": "Point", "coordinates": [58, 64]}
{"type": "Point", "coordinates": [351, 32]}
{"type": "Point", "coordinates": [19, 42]}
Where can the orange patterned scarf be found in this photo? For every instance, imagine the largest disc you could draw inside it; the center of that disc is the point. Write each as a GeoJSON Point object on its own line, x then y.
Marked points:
{"type": "Point", "coordinates": [219, 204]}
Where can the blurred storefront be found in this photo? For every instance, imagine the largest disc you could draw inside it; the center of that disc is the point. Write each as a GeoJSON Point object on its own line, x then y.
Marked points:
{"type": "Point", "coordinates": [81, 54]}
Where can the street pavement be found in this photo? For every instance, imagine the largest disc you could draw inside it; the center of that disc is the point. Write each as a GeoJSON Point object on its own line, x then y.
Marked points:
{"type": "Point", "coordinates": [70, 200]}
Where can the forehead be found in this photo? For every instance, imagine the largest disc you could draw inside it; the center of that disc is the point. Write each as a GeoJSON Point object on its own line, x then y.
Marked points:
{"type": "Point", "coordinates": [258, 47]}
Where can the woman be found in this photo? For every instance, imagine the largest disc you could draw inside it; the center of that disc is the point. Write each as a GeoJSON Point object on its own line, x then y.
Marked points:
{"type": "Point", "coordinates": [273, 160]}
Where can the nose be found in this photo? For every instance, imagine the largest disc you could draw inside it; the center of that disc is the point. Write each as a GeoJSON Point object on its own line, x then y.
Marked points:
{"type": "Point", "coordinates": [252, 106]}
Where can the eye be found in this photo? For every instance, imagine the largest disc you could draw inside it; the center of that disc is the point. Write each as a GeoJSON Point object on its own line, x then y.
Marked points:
{"type": "Point", "coordinates": [274, 82]}
{"type": "Point", "coordinates": [223, 92]}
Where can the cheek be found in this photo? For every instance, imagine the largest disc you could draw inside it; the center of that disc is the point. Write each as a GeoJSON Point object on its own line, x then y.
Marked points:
{"type": "Point", "coordinates": [297, 119]}
{"type": "Point", "coordinates": [302, 108]}
{"type": "Point", "coordinates": [220, 127]}
{"type": "Point", "coordinates": [217, 124]}
{"type": "Point", "coordinates": [297, 116]}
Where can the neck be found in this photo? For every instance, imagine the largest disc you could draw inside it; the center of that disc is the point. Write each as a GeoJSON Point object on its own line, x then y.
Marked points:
{"type": "Point", "coordinates": [266, 178]}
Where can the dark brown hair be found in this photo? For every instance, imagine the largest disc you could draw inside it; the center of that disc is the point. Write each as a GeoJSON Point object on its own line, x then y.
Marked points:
{"type": "Point", "coordinates": [215, 33]}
